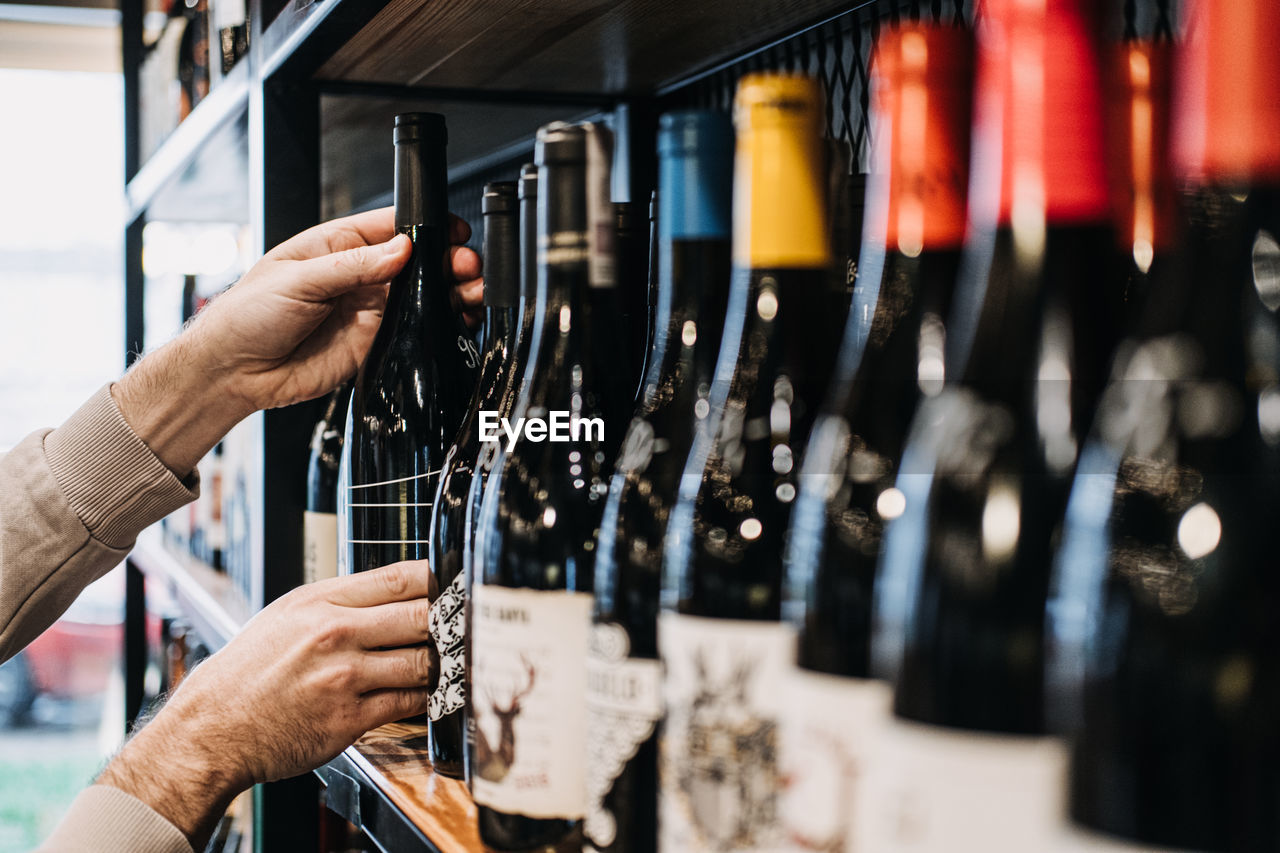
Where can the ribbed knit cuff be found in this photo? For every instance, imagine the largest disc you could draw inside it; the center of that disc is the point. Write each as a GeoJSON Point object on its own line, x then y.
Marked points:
{"type": "Point", "coordinates": [112, 480]}
{"type": "Point", "coordinates": [107, 820]}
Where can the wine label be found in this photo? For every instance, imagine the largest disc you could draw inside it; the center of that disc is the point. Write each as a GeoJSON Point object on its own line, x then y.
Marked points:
{"type": "Point", "coordinates": [929, 788]}
{"type": "Point", "coordinates": [826, 733]}
{"type": "Point", "coordinates": [718, 763]}
{"type": "Point", "coordinates": [529, 676]}
{"type": "Point", "coordinates": [319, 546]}
{"type": "Point", "coordinates": [624, 704]}
{"type": "Point", "coordinates": [449, 633]}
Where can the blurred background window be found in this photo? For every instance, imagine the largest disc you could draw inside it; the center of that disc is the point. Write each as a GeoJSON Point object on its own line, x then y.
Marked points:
{"type": "Point", "coordinates": [61, 336]}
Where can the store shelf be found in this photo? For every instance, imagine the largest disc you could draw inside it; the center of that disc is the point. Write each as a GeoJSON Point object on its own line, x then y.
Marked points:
{"type": "Point", "coordinates": [208, 598]}
{"type": "Point", "coordinates": [307, 32]}
{"type": "Point", "coordinates": [203, 135]}
{"type": "Point", "coordinates": [357, 160]}
{"type": "Point", "coordinates": [384, 784]}
{"type": "Point", "coordinates": [613, 47]}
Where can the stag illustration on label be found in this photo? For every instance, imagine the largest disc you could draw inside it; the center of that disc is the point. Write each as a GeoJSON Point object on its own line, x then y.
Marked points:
{"type": "Point", "coordinates": [448, 630]}
{"type": "Point", "coordinates": [624, 703]}
{"type": "Point", "coordinates": [528, 683]}
{"type": "Point", "coordinates": [494, 759]}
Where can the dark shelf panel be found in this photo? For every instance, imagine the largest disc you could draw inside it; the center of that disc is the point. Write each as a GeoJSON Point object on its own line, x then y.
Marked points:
{"type": "Point", "coordinates": [385, 785]}
{"type": "Point", "coordinates": [189, 171]}
{"type": "Point", "coordinates": [209, 600]}
{"type": "Point", "coordinates": [357, 158]}
{"type": "Point", "coordinates": [597, 46]}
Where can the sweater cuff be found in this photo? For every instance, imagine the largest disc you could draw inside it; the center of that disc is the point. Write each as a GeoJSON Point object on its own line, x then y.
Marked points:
{"type": "Point", "coordinates": [105, 820]}
{"type": "Point", "coordinates": [112, 480]}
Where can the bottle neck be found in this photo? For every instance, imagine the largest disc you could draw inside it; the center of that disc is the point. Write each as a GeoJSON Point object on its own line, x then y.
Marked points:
{"type": "Point", "coordinates": [563, 252]}
{"type": "Point", "coordinates": [1227, 113]}
{"type": "Point", "coordinates": [422, 213]}
{"type": "Point", "coordinates": [921, 114]}
{"type": "Point", "coordinates": [692, 231]}
{"type": "Point", "coordinates": [1142, 180]}
{"type": "Point", "coordinates": [501, 326]}
{"type": "Point", "coordinates": [1039, 156]}
{"type": "Point", "coordinates": [779, 199]}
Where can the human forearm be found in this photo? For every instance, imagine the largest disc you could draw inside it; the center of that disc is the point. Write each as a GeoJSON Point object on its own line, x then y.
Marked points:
{"type": "Point", "coordinates": [173, 770]}
{"type": "Point", "coordinates": [177, 404]}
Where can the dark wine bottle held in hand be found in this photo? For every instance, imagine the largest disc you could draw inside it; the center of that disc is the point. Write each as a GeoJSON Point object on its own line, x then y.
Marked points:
{"type": "Point", "coordinates": [448, 514]}
{"type": "Point", "coordinates": [414, 387]}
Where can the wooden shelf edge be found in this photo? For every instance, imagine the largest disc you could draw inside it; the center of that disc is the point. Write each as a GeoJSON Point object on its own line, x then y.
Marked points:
{"type": "Point", "coordinates": [207, 597]}
{"type": "Point", "coordinates": [224, 104]}
{"type": "Point", "coordinates": [385, 784]}
{"type": "Point", "coordinates": [307, 32]}
{"type": "Point", "coordinates": [353, 794]}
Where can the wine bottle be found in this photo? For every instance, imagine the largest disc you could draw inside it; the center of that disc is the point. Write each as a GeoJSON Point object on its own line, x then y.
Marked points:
{"type": "Point", "coordinates": [890, 356]}
{"type": "Point", "coordinates": [631, 247]}
{"type": "Point", "coordinates": [1163, 613]}
{"type": "Point", "coordinates": [414, 386]}
{"type": "Point", "coordinates": [531, 600]}
{"type": "Point", "coordinates": [231, 23]}
{"type": "Point", "coordinates": [320, 519]}
{"type": "Point", "coordinates": [448, 514]}
{"type": "Point", "coordinates": [651, 308]}
{"type": "Point", "coordinates": [624, 680]}
{"type": "Point", "coordinates": [1140, 84]}
{"type": "Point", "coordinates": [525, 267]}
{"type": "Point", "coordinates": [722, 643]}
{"type": "Point", "coordinates": [985, 472]}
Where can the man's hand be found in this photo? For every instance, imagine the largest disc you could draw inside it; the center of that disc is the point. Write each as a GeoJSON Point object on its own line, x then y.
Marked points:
{"type": "Point", "coordinates": [298, 323]}
{"type": "Point", "coordinates": [307, 676]}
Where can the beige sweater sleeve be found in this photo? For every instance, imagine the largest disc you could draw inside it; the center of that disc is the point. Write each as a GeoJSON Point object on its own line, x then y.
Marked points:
{"type": "Point", "coordinates": [72, 501]}
{"type": "Point", "coordinates": [107, 820]}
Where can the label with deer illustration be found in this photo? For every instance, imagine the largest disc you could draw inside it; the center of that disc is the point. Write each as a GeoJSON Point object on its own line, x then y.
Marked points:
{"type": "Point", "coordinates": [826, 733]}
{"type": "Point", "coordinates": [719, 746]}
{"type": "Point", "coordinates": [529, 685]}
{"type": "Point", "coordinates": [624, 703]}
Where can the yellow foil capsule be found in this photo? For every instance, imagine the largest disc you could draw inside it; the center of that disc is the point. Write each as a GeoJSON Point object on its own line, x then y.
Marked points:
{"type": "Point", "coordinates": [779, 193]}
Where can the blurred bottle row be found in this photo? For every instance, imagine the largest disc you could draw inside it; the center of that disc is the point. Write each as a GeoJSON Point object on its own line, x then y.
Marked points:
{"type": "Point", "coordinates": [189, 46]}
{"type": "Point", "coordinates": [736, 550]}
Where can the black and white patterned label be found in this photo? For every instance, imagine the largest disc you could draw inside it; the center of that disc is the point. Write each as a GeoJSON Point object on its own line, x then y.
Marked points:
{"type": "Point", "coordinates": [624, 703]}
{"type": "Point", "coordinates": [448, 630]}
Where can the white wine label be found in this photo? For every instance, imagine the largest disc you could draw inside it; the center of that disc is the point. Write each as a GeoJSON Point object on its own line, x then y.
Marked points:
{"type": "Point", "coordinates": [935, 789]}
{"type": "Point", "coordinates": [319, 546]}
{"type": "Point", "coordinates": [624, 703]}
{"type": "Point", "coordinates": [718, 763]}
{"type": "Point", "coordinates": [448, 631]}
{"type": "Point", "coordinates": [529, 677]}
{"type": "Point", "coordinates": [826, 732]}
